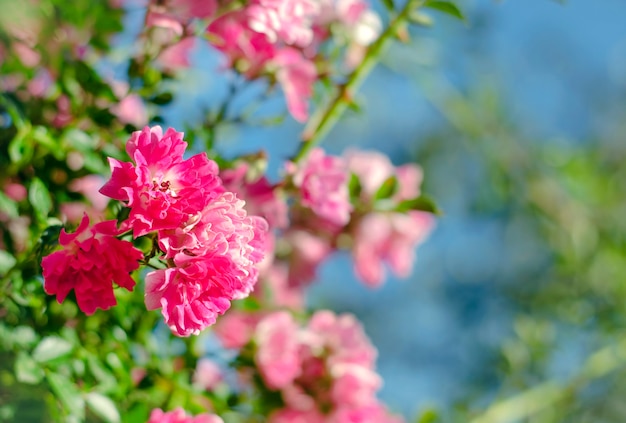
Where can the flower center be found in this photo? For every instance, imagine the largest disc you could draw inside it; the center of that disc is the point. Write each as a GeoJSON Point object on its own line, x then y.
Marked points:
{"type": "Point", "coordinates": [163, 186]}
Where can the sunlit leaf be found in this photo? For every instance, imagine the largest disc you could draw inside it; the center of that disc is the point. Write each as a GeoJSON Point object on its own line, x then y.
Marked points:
{"type": "Point", "coordinates": [39, 198]}
{"type": "Point", "coordinates": [50, 348]}
{"type": "Point", "coordinates": [103, 407]}
{"type": "Point", "coordinates": [27, 370]}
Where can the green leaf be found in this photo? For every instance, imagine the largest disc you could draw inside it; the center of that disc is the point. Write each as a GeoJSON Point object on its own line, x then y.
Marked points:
{"type": "Point", "coordinates": [8, 206]}
{"type": "Point", "coordinates": [422, 203]}
{"type": "Point", "coordinates": [389, 5]}
{"type": "Point", "coordinates": [21, 148]}
{"type": "Point", "coordinates": [103, 407]}
{"type": "Point", "coordinates": [7, 261]}
{"type": "Point", "coordinates": [445, 7]}
{"type": "Point", "coordinates": [27, 370]}
{"type": "Point", "coordinates": [354, 187]}
{"type": "Point", "coordinates": [50, 348]}
{"type": "Point", "coordinates": [428, 416]}
{"type": "Point", "coordinates": [69, 395]}
{"type": "Point", "coordinates": [162, 99]}
{"type": "Point", "coordinates": [421, 19]}
{"type": "Point", "coordinates": [40, 199]}
{"type": "Point", "coordinates": [387, 189]}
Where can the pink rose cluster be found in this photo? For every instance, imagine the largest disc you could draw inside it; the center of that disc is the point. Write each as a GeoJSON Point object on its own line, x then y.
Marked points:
{"type": "Point", "coordinates": [369, 221]}
{"type": "Point", "coordinates": [281, 38]}
{"type": "Point", "coordinates": [208, 245]}
{"type": "Point", "coordinates": [324, 372]}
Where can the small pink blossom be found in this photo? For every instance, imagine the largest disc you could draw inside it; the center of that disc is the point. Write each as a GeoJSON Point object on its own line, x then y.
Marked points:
{"type": "Point", "coordinates": [179, 416]}
{"type": "Point", "coordinates": [371, 168]}
{"type": "Point", "coordinates": [344, 338]}
{"type": "Point", "coordinates": [323, 371]}
{"type": "Point", "coordinates": [308, 251]}
{"type": "Point", "coordinates": [91, 261]}
{"type": "Point", "coordinates": [131, 110]}
{"type": "Point", "coordinates": [323, 184]}
{"type": "Point", "coordinates": [287, 21]}
{"type": "Point", "coordinates": [15, 191]}
{"type": "Point", "coordinates": [262, 198]}
{"type": "Point", "coordinates": [88, 186]}
{"type": "Point", "coordinates": [277, 355]}
{"type": "Point", "coordinates": [162, 190]}
{"type": "Point", "coordinates": [296, 75]}
{"type": "Point", "coordinates": [208, 374]}
{"type": "Point", "coordinates": [177, 56]}
{"type": "Point", "coordinates": [246, 50]}
{"type": "Point", "coordinates": [236, 328]}
{"type": "Point", "coordinates": [390, 238]}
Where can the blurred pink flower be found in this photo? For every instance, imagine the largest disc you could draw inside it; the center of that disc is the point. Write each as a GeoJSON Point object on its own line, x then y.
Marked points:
{"type": "Point", "coordinates": [131, 110]}
{"type": "Point", "coordinates": [15, 191]}
{"type": "Point", "coordinates": [371, 413]}
{"type": "Point", "coordinates": [179, 416]}
{"type": "Point", "coordinates": [91, 261]}
{"type": "Point", "coordinates": [236, 328]}
{"type": "Point", "coordinates": [290, 415]}
{"type": "Point", "coordinates": [260, 196]}
{"type": "Point", "coordinates": [162, 190]}
{"type": "Point", "coordinates": [323, 371]}
{"type": "Point", "coordinates": [296, 75]}
{"type": "Point", "coordinates": [308, 251]}
{"type": "Point", "coordinates": [390, 238]}
{"type": "Point", "coordinates": [208, 374]}
{"type": "Point", "coordinates": [177, 55]}
{"type": "Point", "coordinates": [88, 186]}
{"type": "Point", "coordinates": [323, 183]}
{"type": "Point", "coordinates": [286, 21]}
{"type": "Point", "coordinates": [277, 355]}
{"type": "Point", "coordinates": [246, 50]}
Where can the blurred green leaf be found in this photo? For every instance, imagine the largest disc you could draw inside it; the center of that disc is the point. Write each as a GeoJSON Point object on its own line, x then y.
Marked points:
{"type": "Point", "coordinates": [445, 7]}
{"type": "Point", "coordinates": [428, 416]}
{"type": "Point", "coordinates": [40, 199]}
{"type": "Point", "coordinates": [103, 407]}
{"type": "Point", "coordinates": [21, 148]}
{"type": "Point", "coordinates": [388, 5]}
{"type": "Point", "coordinates": [69, 395]}
{"type": "Point", "coordinates": [8, 206]}
{"type": "Point", "coordinates": [162, 99]}
{"type": "Point", "coordinates": [387, 189]}
{"type": "Point", "coordinates": [354, 187]}
{"type": "Point", "coordinates": [7, 261]}
{"type": "Point", "coordinates": [27, 370]}
{"type": "Point", "coordinates": [422, 203]}
{"type": "Point", "coordinates": [50, 348]}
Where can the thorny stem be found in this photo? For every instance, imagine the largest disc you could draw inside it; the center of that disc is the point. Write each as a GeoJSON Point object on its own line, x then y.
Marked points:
{"type": "Point", "coordinates": [326, 117]}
